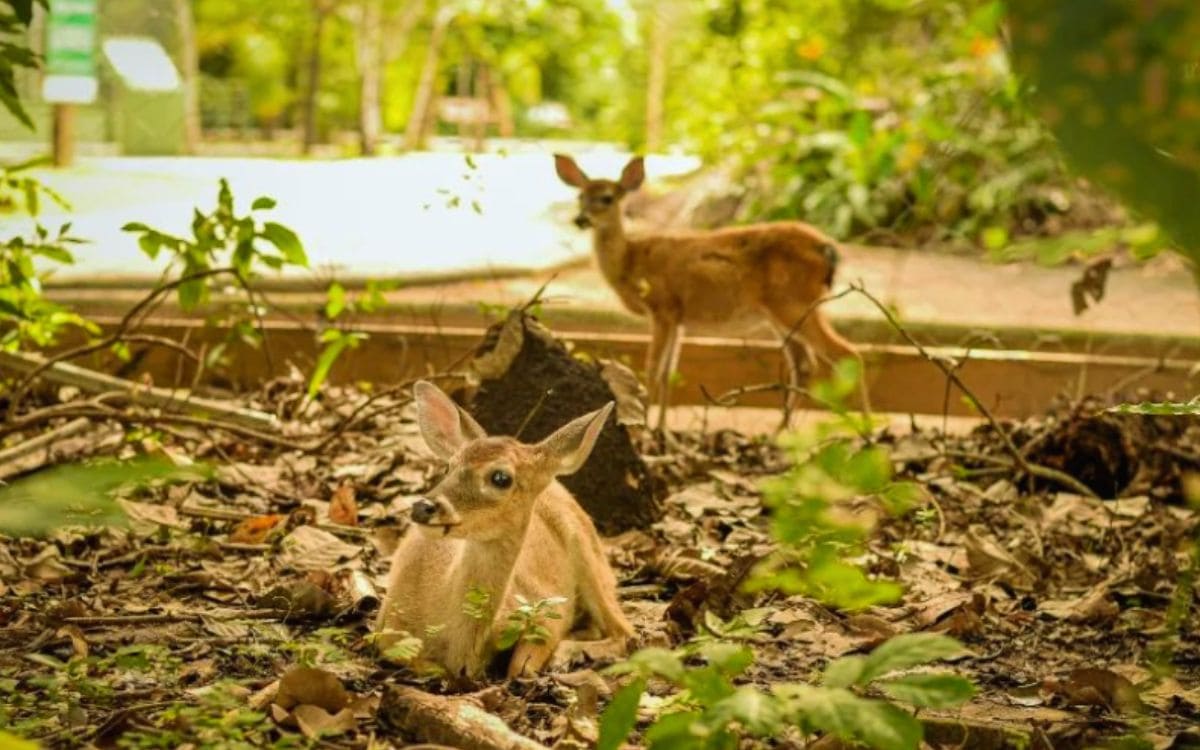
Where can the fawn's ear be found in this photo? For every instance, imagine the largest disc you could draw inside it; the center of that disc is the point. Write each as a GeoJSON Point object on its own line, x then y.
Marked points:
{"type": "Point", "coordinates": [634, 174]}
{"type": "Point", "coordinates": [567, 449]}
{"type": "Point", "coordinates": [569, 172]}
{"type": "Point", "coordinates": [445, 426]}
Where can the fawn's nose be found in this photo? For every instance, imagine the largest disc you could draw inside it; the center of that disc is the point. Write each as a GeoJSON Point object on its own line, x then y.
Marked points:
{"type": "Point", "coordinates": [423, 511]}
{"type": "Point", "coordinates": [582, 221]}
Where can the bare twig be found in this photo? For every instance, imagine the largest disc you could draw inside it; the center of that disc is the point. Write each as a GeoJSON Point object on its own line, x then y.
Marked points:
{"type": "Point", "coordinates": [533, 412]}
{"type": "Point", "coordinates": [1019, 459]}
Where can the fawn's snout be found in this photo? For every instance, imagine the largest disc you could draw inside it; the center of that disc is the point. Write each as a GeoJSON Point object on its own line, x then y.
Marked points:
{"type": "Point", "coordinates": [582, 221]}
{"type": "Point", "coordinates": [435, 512]}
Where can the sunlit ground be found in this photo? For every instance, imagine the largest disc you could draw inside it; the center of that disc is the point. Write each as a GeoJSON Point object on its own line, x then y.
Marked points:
{"type": "Point", "coordinates": [422, 212]}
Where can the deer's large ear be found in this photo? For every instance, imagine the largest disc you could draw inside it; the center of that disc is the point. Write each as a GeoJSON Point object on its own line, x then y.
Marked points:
{"type": "Point", "coordinates": [634, 174]}
{"type": "Point", "coordinates": [567, 449]}
{"type": "Point", "coordinates": [569, 172]}
{"type": "Point", "coordinates": [444, 426]}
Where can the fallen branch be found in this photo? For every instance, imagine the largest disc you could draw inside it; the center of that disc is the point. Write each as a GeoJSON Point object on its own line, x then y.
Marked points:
{"type": "Point", "coordinates": [1019, 459]}
{"type": "Point", "coordinates": [454, 722]}
{"type": "Point", "coordinates": [166, 399]}
{"type": "Point", "coordinates": [159, 618]}
{"type": "Point", "coordinates": [131, 320]}
{"type": "Point", "coordinates": [11, 458]}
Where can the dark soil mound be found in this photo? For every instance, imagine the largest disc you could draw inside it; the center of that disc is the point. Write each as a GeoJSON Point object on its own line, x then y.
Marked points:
{"type": "Point", "coordinates": [531, 386]}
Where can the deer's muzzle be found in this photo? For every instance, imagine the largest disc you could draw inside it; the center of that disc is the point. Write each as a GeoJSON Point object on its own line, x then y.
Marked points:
{"type": "Point", "coordinates": [434, 512]}
{"type": "Point", "coordinates": [582, 221]}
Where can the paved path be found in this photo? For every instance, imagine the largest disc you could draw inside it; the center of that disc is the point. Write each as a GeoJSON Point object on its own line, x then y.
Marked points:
{"type": "Point", "coordinates": [435, 212]}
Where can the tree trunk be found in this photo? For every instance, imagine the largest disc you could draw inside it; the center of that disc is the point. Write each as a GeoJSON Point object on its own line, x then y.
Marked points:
{"type": "Point", "coordinates": [321, 10]}
{"type": "Point", "coordinates": [658, 53]}
{"type": "Point", "coordinates": [419, 120]}
{"type": "Point", "coordinates": [370, 69]}
{"type": "Point", "coordinates": [501, 104]}
{"type": "Point", "coordinates": [189, 68]}
{"type": "Point", "coordinates": [400, 28]}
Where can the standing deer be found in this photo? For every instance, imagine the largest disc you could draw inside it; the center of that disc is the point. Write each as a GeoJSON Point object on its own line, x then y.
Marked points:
{"type": "Point", "coordinates": [499, 523]}
{"type": "Point", "coordinates": [775, 271]}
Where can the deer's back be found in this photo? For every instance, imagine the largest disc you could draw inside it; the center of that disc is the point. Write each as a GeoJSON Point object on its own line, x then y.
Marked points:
{"type": "Point", "coordinates": [728, 274]}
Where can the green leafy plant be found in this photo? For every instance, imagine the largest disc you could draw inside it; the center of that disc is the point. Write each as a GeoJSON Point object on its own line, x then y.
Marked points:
{"type": "Point", "coordinates": [525, 623]}
{"type": "Point", "coordinates": [711, 711]}
{"type": "Point", "coordinates": [27, 318]}
{"type": "Point", "coordinates": [15, 53]}
{"type": "Point", "coordinates": [816, 535]}
{"type": "Point", "coordinates": [222, 242]}
{"type": "Point", "coordinates": [337, 340]}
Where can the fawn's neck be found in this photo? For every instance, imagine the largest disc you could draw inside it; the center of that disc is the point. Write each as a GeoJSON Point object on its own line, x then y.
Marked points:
{"type": "Point", "coordinates": [490, 564]}
{"type": "Point", "coordinates": [611, 248]}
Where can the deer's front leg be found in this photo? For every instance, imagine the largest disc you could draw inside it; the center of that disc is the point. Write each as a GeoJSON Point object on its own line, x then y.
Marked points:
{"type": "Point", "coordinates": [529, 657]}
{"type": "Point", "coordinates": [659, 333]}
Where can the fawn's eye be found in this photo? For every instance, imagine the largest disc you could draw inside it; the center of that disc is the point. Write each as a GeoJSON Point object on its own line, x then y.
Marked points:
{"type": "Point", "coordinates": [604, 200]}
{"type": "Point", "coordinates": [501, 479]}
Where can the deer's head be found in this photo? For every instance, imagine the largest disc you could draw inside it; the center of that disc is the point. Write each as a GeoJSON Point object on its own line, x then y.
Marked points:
{"type": "Point", "coordinates": [599, 200]}
{"type": "Point", "coordinates": [492, 483]}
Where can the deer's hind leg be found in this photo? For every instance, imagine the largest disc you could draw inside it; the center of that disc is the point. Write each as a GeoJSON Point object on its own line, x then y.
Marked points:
{"type": "Point", "coordinates": [809, 338]}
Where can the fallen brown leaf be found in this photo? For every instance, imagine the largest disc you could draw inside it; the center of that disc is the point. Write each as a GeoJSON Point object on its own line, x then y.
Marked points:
{"type": "Point", "coordinates": [311, 686]}
{"type": "Point", "coordinates": [315, 721]}
{"type": "Point", "coordinates": [1096, 687]}
{"type": "Point", "coordinates": [343, 508]}
{"type": "Point", "coordinates": [255, 530]}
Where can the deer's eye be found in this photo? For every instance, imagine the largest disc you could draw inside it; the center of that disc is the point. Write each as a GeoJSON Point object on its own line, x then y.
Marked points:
{"type": "Point", "coordinates": [605, 200]}
{"type": "Point", "coordinates": [501, 479]}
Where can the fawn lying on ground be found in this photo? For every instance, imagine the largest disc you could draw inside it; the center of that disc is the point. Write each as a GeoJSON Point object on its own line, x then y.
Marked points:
{"type": "Point", "coordinates": [499, 523]}
{"type": "Point", "coordinates": [775, 271]}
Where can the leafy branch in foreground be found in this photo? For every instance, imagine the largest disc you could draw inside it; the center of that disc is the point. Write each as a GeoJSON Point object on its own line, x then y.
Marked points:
{"type": "Point", "coordinates": [79, 494]}
{"type": "Point", "coordinates": [816, 532]}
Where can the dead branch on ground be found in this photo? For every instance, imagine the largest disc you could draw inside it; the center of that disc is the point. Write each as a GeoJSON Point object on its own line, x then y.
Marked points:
{"type": "Point", "coordinates": [1020, 460]}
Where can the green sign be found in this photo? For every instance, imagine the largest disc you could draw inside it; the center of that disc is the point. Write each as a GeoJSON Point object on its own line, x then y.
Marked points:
{"type": "Point", "coordinates": [71, 38]}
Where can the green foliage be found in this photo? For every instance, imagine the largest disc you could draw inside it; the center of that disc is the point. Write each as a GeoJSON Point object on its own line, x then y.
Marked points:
{"type": "Point", "coordinates": [335, 342]}
{"type": "Point", "coordinates": [78, 494]}
{"type": "Point", "coordinates": [710, 709]}
{"type": "Point", "coordinates": [477, 604]}
{"type": "Point", "coordinates": [27, 318]}
{"type": "Point", "coordinates": [815, 534]}
{"type": "Point", "coordinates": [15, 54]}
{"type": "Point", "coordinates": [220, 239]}
{"type": "Point", "coordinates": [525, 622]}
{"type": "Point", "coordinates": [404, 650]}
{"type": "Point", "coordinates": [859, 116]}
{"type": "Point", "coordinates": [1118, 83]}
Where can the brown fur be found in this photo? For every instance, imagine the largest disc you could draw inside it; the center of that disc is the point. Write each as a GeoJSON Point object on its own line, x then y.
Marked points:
{"type": "Point", "coordinates": [531, 540]}
{"type": "Point", "coordinates": [775, 271]}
